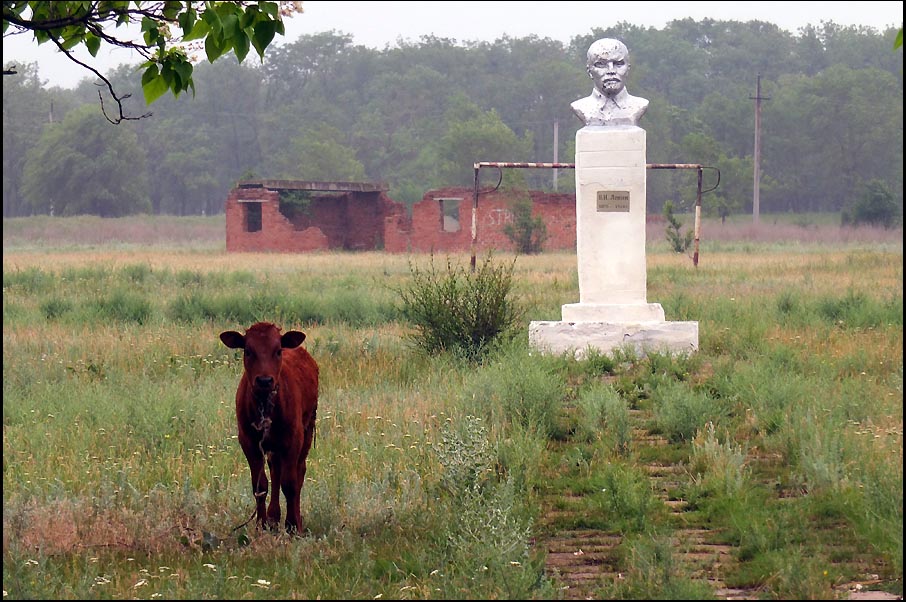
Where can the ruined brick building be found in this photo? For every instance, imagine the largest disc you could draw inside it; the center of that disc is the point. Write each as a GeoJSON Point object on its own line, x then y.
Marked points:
{"type": "Point", "coordinates": [303, 216]}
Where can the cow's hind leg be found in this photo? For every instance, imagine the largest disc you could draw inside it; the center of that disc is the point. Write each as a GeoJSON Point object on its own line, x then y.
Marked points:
{"type": "Point", "coordinates": [294, 493]}
{"type": "Point", "coordinates": [291, 490]}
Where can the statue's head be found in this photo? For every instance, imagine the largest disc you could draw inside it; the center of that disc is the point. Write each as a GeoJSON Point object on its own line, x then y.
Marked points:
{"type": "Point", "coordinates": [608, 65]}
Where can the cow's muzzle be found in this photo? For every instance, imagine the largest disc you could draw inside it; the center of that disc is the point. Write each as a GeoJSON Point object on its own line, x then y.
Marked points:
{"type": "Point", "coordinates": [264, 392]}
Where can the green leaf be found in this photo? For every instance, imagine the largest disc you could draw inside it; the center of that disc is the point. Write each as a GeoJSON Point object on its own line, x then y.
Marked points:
{"type": "Point", "coordinates": [247, 18]}
{"type": "Point", "coordinates": [200, 30]}
{"type": "Point", "coordinates": [184, 70]}
{"type": "Point", "coordinates": [213, 47]}
{"type": "Point", "coordinates": [152, 33]}
{"type": "Point", "coordinates": [150, 73]}
{"type": "Point", "coordinates": [270, 8]}
{"type": "Point", "coordinates": [231, 27]}
{"type": "Point", "coordinates": [154, 88]}
{"type": "Point", "coordinates": [264, 35]}
{"type": "Point", "coordinates": [171, 9]}
{"type": "Point", "coordinates": [92, 43]}
{"type": "Point", "coordinates": [186, 21]}
{"type": "Point", "coordinates": [70, 43]}
{"type": "Point", "coordinates": [211, 17]}
{"type": "Point", "coordinates": [166, 73]}
{"type": "Point", "coordinates": [241, 45]}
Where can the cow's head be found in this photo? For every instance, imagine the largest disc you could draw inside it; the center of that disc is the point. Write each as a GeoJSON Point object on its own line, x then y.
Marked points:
{"type": "Point", "coordinates": [263, 347]}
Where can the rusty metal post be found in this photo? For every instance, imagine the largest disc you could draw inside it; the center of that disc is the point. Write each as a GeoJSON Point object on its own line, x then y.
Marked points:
{"type": "Point", "coordinates": [698, 218]}
{"type": "Point", "coordinates": [474, 219]}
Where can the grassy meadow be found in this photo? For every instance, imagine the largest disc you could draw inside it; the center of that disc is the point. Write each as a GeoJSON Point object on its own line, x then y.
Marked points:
{"type": "Point", "coordinates": [437, 477]}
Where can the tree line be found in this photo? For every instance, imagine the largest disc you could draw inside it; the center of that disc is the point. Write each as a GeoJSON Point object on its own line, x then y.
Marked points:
{"type": "Point", "coordinates": [418, 114]}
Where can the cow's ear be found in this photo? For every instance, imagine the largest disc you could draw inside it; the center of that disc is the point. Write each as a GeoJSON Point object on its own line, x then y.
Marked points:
{"type": "Point", "coordinates": [233, 339]}
{"type": "Point", "coordinates": [292, 339]}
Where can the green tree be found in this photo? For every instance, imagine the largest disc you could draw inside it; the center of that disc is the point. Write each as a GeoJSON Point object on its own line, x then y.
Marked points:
{"type": "Point", "coordinates": [419, 114]}
{"type": "Point", "coordinates": [197, 148]}
{"type": "Point", "coordinates": [81, 166]}
{"type": "Point", "coordinates": [735, 175]}
{"type": "Point", "coordinates": [474, 135]}
{"type": "Point", "coordinates": [187, 180]}
{"type": "Point", "coordinates": [679, 242]}
{"type": "Point", "coordinates": [319, 154]}
{"type": "Point", "coordinates": [26, 108]}
{"type": "Point", "coordinates": [876, 206]}
{"type": "Point", "coordinates": [826, 134]}
{"type": "Point", "coordinates": [528, 232]}
{"type": "Point", "coordinates": [221, 26]}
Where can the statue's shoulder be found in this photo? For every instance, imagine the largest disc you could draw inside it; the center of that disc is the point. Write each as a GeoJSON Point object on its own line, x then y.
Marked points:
{"type": "Point", "coordinates": [638, 102]}
{"type": "Point", "coordinates": [587, 104]}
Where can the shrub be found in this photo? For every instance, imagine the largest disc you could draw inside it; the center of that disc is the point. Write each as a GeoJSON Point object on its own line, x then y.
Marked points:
{"type": "Point", "coordinates": [526, 231]}
{"type": "Point", "coordinates": [460, 311]}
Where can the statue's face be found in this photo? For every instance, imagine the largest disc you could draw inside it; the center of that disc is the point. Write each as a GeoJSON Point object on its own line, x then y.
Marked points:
{"type": "Point", "coordinates": [608, 69]}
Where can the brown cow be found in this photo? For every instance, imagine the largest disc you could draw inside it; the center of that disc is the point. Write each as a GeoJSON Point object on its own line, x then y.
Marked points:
{"type": "Point", "coordinates": [276, 406]}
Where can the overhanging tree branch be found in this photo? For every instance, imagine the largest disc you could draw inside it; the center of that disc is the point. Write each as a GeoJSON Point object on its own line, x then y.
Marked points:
{"type": "Point", "coordinates": [223, 27]}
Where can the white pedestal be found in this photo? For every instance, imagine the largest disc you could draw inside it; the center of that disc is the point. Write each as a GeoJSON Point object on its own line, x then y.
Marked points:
{"type": "Point", "coordinates": [611, 207]}
{"type": "Point", "coordinates": [610, 214]}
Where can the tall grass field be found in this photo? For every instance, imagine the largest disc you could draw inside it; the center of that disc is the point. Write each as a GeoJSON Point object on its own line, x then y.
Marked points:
{"type": "Point", "coordinates": [437, 476]}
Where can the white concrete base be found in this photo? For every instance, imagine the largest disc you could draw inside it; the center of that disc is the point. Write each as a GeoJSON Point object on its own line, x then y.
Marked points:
{"type": "Point", "coordinates": [641, 337]}
{"type": "Point", "coordinates": [614, 313]}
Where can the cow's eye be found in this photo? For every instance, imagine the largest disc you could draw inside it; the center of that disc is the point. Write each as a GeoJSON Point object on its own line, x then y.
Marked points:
{"type": "Point", "coordinates": [278, 353]}
{"type": "Point", "coordinates": [248, 352]}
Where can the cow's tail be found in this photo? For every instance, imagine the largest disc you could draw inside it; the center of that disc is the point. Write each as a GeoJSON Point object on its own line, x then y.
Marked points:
{"type": "Point", "coordinates": [313, 426]}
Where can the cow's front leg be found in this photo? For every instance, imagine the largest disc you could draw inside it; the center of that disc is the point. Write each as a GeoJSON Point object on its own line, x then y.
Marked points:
{"type": "Point", "coordinates": [259, 481]}
{"type": "Point", "coordinates": [273, 507]}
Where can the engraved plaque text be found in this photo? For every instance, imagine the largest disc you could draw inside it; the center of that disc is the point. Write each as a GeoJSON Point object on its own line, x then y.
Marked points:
{"type": "Point", "coordinates": [613, 201]}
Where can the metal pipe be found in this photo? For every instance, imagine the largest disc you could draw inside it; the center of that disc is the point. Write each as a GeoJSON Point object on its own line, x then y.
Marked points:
{"type": "Point", "coordinates": [698, 219]}
{"type": "Point", "coordinates": [474, 218]}
{"type": "Point", "coordinates": [501, 164]}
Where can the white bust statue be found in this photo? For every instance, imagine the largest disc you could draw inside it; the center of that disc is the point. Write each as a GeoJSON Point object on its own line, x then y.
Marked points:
{"type": "Point", "coordinates": [609, 102]}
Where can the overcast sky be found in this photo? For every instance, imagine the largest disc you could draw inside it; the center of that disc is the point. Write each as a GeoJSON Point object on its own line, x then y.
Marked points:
{"type": "Point", "coordinates": [379, 24]}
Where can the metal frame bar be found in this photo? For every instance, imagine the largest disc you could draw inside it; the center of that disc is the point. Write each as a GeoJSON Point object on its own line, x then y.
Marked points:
{"type": "Point", "coordinates": [515, 165]}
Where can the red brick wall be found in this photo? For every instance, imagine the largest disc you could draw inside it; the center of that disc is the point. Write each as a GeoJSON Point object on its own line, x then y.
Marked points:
{"type": "Point", "coordinates": [350, 220]}
{"type": "Point", "coordinates": [373, 221]}
{"type": "Point", "coordinates": [276, 234]}
{"type": "Point", "coordinates": [426, 234]}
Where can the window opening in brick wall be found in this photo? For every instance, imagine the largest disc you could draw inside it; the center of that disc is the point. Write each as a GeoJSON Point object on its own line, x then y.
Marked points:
{"type": "Point", "coordinates": [252, 217]}
{"type": "Point", "coordinates": [449, 214]}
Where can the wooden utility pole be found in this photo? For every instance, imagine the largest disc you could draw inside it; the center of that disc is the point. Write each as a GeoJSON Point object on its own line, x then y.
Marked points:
{"type": "Point", "coordinates": [757, 158]}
